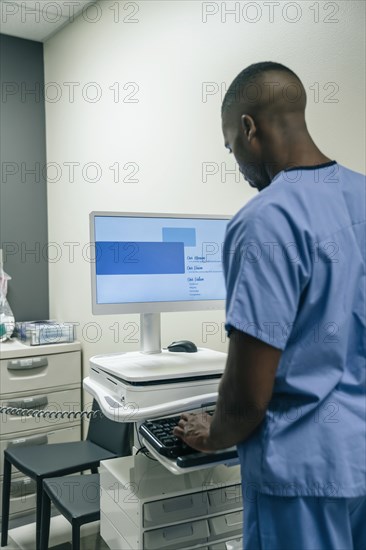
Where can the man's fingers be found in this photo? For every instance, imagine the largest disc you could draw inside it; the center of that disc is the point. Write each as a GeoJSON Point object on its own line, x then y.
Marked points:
{"type": "Point", "coordinates": [182, 423]}
{"type": "Point", "coordinates": [178, 431]}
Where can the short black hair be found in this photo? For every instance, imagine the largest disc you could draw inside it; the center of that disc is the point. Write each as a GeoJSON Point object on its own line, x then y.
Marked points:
{"type": "Point", "coordinates": [248, 75]}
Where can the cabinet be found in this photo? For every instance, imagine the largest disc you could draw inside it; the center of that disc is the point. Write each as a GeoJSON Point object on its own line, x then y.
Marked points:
{"type": "Point", "coordinates": [143, 505]}
{"type": "Point", "coordinates": [37, 377]}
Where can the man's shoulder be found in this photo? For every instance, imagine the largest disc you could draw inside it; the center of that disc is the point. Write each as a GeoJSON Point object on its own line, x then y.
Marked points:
{"type": "Point", "coordinates": [264, 206]}
{"type": "Point", "coordinates": [308, 199]}
{"type": "Point", "coordinates": [352, 174]}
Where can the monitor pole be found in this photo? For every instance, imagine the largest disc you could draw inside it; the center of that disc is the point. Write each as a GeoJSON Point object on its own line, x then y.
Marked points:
{"type": "Point", "coordinates": [150, 333]}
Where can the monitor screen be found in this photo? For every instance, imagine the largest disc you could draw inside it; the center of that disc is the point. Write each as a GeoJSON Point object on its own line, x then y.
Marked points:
{"type": "Point", "coordinates": [150, 263]}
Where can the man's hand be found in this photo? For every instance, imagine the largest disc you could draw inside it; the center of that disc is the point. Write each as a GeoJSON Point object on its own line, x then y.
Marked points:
{"type": "Point", "coordinates": [244, 392]}
{"type": "Point", "coordinates": [194, 429]}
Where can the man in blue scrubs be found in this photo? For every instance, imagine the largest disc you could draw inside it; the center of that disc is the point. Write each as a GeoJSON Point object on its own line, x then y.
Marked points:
{"type": "Point", "coordinates": [293, 393]}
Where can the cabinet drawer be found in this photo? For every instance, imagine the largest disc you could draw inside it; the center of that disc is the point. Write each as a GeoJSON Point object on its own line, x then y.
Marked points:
{"type": "Point", "coordinates": [62, 435]}
{"type": "Point", "coordinates": [177, 536]}
{"type": "Point", "coordinates": [235, 544]}
{"type": "Point", "coordinates": [37, 372]}
{"type": "Point", "coordinates": [67, 400]}
{"type": "Point", "coordinates": [227, 497]}
{"type": "Point", "coordinates": [111, 536]}
{"type": "Point", "coordinates": [175, 509]}
{"type": "Point", "coordinates": [22, 495]}
{"type": "Point", "coordinates": [23, 498]}
{"type": "Point", "coordinates": [119, 519]}
{"type": "Point", "coordinates": [230, 525]}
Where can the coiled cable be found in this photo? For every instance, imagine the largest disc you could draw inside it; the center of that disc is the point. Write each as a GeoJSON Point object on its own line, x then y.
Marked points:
{"type": "Point", "coordinates": [37, 413]}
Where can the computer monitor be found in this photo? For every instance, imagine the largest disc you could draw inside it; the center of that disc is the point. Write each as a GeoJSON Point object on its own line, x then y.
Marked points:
{"type": "Point", "coordinates": [153, 263]}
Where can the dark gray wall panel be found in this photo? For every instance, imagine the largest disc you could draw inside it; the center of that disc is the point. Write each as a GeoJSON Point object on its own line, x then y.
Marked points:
{"type": "Point", "coordinates": [23, 194]}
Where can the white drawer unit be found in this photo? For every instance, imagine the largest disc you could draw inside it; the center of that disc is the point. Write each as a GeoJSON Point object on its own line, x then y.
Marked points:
{"type": "Point", "coordinates": [44, 377]}
{"type": "Point", "coordinates": [143, 505]}
{"type": "Point", "coordinates": [32, 368]}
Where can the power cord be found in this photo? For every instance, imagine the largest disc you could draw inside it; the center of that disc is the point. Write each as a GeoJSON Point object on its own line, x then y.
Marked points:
{"type": "Point", "coordinates": [143, 450]}
{"type": "Point", "coordinates": [36, 413]}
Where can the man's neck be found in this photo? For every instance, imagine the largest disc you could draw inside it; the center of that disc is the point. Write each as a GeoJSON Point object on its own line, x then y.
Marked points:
{"type": "Point", "coordinates": [296, 152]}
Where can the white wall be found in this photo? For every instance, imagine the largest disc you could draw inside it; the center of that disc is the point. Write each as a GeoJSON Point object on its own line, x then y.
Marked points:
{"type": "Point", "coordinates": [172, 130]}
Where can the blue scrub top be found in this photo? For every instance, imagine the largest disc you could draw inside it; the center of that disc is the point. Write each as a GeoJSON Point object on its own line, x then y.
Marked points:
{"type": "Point", "coordinates": [294, 262]}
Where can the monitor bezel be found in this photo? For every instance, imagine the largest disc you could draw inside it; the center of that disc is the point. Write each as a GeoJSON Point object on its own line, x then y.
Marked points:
{"type": "Point", "coordinates": [148, 307]}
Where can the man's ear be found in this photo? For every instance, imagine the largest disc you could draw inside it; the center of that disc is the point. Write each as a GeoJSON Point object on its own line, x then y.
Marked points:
{"type": "Point", "coordinates": [248, 126]}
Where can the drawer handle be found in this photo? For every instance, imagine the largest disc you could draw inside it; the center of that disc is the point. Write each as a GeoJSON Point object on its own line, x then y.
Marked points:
{"type": "Point", "coordinates": [22, 487]}
{"type": "Point", "coordinates": [179, 504]}
{"type": "Point", "coordinates": [235, 495]}
{"type": "Point", "coordinates": [29, 402]}
{"type": "Point", "coordinates": [178, 531]}
{"type": "Point", "coordinates": [231, 521]}
{"type": "Point", "coordinates": [28, 364]}
{"type": "Point", "coordinates": [32, 440]}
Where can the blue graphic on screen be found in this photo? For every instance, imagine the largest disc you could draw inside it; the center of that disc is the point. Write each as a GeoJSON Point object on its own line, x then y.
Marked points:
{"type": "Point", "coordinates": [147, 259]}
{"type": "Point", "coordinates": [124, 258]}
{"type": "Point", "coordinates": [186, 235]}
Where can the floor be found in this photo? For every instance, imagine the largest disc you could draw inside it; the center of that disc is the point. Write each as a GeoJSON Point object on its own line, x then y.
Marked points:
{"type": "Point", "coordinates": [23, 536]}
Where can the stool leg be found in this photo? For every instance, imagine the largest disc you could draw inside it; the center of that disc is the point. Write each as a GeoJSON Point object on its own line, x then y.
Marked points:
{"type": "Point", "coordinates": [45, 521]}
{"type": "Point", "coordinates": [75, 535]}
{"type": "Point", "coordinates": [94, 470]}
{"type": "Point", "coordinates": [39, 482]}
{"type": "Point", "coordinates": [5, 502]}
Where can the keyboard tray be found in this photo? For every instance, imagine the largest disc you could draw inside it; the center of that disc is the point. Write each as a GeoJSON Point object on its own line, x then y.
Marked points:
{"type": "Point", "coordinates": [176, 466]}
{"type": "Point", "coordinates": [175, 454]}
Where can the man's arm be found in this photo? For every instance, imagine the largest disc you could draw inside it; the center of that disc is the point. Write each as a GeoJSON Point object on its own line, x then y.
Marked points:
{"type": "Point", "coordinates": [244, 392]}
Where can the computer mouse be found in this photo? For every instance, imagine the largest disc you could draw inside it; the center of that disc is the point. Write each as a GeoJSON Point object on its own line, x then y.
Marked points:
{"type": "Point", "coordinates": [183, 345]}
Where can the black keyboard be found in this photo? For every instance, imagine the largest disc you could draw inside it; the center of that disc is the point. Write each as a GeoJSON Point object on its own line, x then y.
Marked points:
{"type": "Point", "coordinates": [159, 433]}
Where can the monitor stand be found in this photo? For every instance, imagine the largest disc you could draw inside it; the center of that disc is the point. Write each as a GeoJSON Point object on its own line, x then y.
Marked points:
{"type": "Point", "coordinates": [150, 333]}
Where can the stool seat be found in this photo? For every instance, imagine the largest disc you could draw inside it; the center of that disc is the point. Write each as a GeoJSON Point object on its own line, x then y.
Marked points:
{"type": "Point", "coordinates": [57, 459]}
{"type": "Point", "coordinates": [76, 497]}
